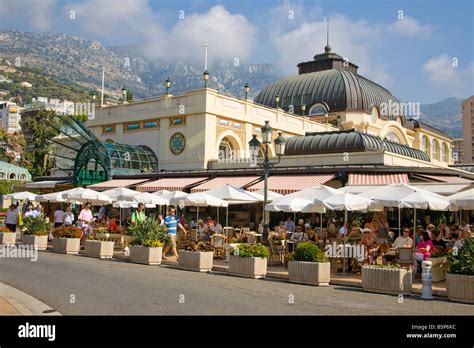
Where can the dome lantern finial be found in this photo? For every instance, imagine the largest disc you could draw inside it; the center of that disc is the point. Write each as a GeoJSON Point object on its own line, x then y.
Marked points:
{"type": "Point", "coordinates": [327, 48]}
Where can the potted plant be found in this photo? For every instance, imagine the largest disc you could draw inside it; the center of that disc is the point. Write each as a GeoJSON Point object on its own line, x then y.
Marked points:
{"type": "Point", "coordinates": [387, 279]}
{"type": "Point", "coordinates": [308, 265]}
{"type": "Point", "coordinates": [249, 260]}
{"type": "Point", "coordinates": [35, 231]}
{"type": "Point", "coordinates": [196, 258]}
{"type": "Point", "coordinates": [460, 274]}
{"type": "Point", "coordinates": [149, 237]}
{"type": "Point", "coordinates": [67, 240]}
{"type": "Point", "coordinates": [7, 237]}
{"type": "Point", "coordinates": [438, 266]}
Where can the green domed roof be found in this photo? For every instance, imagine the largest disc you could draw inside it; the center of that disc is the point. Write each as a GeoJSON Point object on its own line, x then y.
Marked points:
{"type": "Point", "coordinates": [10, 171]}
{"type": "Point", "coordinates": [337, 89]}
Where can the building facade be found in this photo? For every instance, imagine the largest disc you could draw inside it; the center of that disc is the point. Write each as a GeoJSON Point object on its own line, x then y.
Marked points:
{"type": "Point", "coordinates": [458, 150]}
{"type": "Point", "coordinates": [10, 117]}
{"type": "Point", "coordinates": [468, 129]}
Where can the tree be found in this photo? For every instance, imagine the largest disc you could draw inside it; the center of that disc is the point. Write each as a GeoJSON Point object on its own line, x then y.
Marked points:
{"type": "Point", "coordinates": [41, 131]}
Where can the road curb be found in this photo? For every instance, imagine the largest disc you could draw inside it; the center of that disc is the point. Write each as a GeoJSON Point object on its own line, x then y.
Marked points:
{"type": "Point", "coordinates": [24, 303]}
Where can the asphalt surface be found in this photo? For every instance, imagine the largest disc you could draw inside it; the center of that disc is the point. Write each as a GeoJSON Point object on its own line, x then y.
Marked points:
{"type": "Point", "coordinates": [76, 285]}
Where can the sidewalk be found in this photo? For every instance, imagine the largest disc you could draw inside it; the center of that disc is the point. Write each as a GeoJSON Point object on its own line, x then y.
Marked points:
{"type": "Point", "coordinates": [16, 302]}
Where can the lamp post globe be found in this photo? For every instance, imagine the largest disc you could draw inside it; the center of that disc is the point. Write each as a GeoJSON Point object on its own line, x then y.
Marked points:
{"type": "Point", "coordinates": [254, 146]}
{"type": "Point", "coordinates": [267, 131]}
{"type": "Point", "coordinates": [168, 85]}
{"type": "Point", "coordinates": [246, 90]}
{"type": "Point", "coordinates": [280, 143]}
{"type": "Point", "coordinates": [205, 76]}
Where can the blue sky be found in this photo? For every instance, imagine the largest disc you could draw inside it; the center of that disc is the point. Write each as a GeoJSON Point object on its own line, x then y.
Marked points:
{"type": "Point", "coordinates": [422, 54]}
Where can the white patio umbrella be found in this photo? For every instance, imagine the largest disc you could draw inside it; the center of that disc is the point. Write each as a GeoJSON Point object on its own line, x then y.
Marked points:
{"type": "Point", "coordinates": [406, 196]}
{"type": "Point", "coordinates": [120, 191]}
{"type": "Point", "coordinates": [146, 198]}
{"type": "Point", "coordinates": [202, 199]}
{"type": "Point", "coordinates": [87, 195]}
{"type": "Point", "coordinates": [271, 195]}
{"type": "Point", "coordinates": [347, 202]}
{"type": "Point", "coordinates": [463, 200]}
{"type": "Point", "coordinates": [54, 197]}
{"type": "Point", "coordinates": [21, 196]}
{"type": "Point", "coordinates": [234, 195]}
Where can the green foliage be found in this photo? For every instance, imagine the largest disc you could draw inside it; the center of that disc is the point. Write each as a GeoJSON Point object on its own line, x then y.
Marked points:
{"type": "Point", "coordinates": [67, 232]}
{"type": "Point", "coordinates": [148, 231]}
{"type": "Point", "coordinates": [251, 250]}
{"type": "Point", "coordinates": [37, 226]}
{"type": "Point", "coordinates": [389, 266]}
{"type": "Point", "coordinates": [463, 262]}
{"type": "Point", "coordinates": [308, 252]}
{"type": "Point", "coordinates": [39, 146]}
{"type": "Point", "coordinates": [152, 243]}
{"type": "Point", "coordinates": [7, 186]}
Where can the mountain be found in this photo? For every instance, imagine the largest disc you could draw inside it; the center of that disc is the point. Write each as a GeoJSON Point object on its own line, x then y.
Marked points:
{"type": "Point", "coordinates": [445, 115]}
{"type": "Point", "coordinates": [80, 60]}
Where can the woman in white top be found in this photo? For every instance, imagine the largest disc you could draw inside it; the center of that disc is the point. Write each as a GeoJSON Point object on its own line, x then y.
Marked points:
{"type": "Point", "coordinates": [68, 217]}
{"type": "Point", "coordinates": [58, 217]}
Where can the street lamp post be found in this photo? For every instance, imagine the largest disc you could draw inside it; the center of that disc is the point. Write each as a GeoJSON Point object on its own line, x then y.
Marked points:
{"type": "Point", "coordinates": [303, 108]}
{"type": "Point", "coordinates": [168, 85]}
{"type": "Point", "coordinates": [277, 100]}
{"type": "Point", "coordinates": [266, 164]}
{"type": "Point", "coordinates": [205, 76]}
{"type": "Point", "coordinates": [246, 90]}
{"type": "Point", "coordinates": [124, 94]}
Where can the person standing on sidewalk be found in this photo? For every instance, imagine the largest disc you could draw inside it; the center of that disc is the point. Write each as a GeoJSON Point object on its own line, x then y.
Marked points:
{"type": "Point", "coordinates": [12, 218]}
{"type": "Point", "coordinates": [172, 224]}
{"type": "Point", "coordinates": [138, 214]}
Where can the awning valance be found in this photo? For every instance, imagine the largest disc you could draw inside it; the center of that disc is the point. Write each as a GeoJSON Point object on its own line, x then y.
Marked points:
{"type": "Point", "coordinates": [377, 179]}
{"type": "Point", "coordinates": [111, 184]}
{"type": "Point", "coordinates": [45, 184]}
{"type": "Point", "coordinates": [237, 181]}
{"type": "Point", "coordinates": [170, 184]}
{"type": "Point", "coordinates": [450, 179]}
{"type": "Point", "coordinates": [286, 184]}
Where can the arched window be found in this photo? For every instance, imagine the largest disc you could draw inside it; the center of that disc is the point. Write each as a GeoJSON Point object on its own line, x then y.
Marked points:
{"type": "Point", "coordinates": [435, 149]}
{"type": "Point", "coordinates": [444, 153]}
{"type": "Point", "coordinates": [12, 176]}
{"type": "Point", "coordinates": [392, 136]}
{"type": "Point", "coordinates": [23, 177]}
{"type": "Point", "coordinates": [226, 150]}
{"type": "Point", "coordinates": [318, 109]}
{"type": "Point", "coordinates": [425, 145]}
{"type": "Point", "coordinates": [2, 175]}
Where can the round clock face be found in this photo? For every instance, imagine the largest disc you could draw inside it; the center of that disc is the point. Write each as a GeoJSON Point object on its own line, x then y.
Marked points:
{"type": "Point", "coordinates": [375, 115]}
{"type": "Point", "coordinates": [177, 143]}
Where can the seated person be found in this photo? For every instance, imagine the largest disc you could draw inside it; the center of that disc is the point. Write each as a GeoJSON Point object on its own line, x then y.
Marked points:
{"type": "Point", "coordinates": [355, 232]}
{"type": "Point", "coordinates": [455, 233]}
{"type": "Point", "coordinates": [299, 235]}
{"type": "Point", "coordinates": [203, 230]}
{"type": "Point", "coordinates": [312, 235]}
{"type": "Point", "coordinates": [438, 240]}
{"type": "Point", "coordinates": [401, 242]}
{"type": "Point", "coordinates": [216, 227]}
{"type": "Point", "coordinates": [112, 225]}
{"type": "Point", "coordinates": [369, 241]}
{"type": "Point", "coordinates": [423, 249]}
{"type": "Point", "coordinates": [460, 242]}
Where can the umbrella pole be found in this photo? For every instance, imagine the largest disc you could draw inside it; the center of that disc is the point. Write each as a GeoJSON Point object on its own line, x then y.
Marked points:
{"type": "Point", "coordinates": [227, 217]}
{"type": "Point", "coordinates": [399, 222]}
{"type": "Point", "coordinates": [218, 214]}
{"type": "Point", "coordinates": [321, 225]}
{"type": "Point", "coordinates": [344, 244]}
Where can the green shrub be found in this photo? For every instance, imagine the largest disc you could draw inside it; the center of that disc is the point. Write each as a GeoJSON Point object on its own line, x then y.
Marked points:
{"type": "Point", "coordinates": [308, 252]}
{"type": "Point", "coordinates": [251, 250]}
{"type": "Point", "coordinates": [463, 262]}
{"type": "Point", "coordinates": [152, 243]}
{"type": "Point", "coordinates": [148, 231]}
{"type": "Point", "coordinates": [37, 226]}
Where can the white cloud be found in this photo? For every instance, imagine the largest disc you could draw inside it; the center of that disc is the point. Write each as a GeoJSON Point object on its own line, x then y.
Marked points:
{"type": "Point", "coordinates": [447, 72]}
{"type": "Point", "coordinates": [409, 26]}
{"type": "Point", "coordinates": [228, 35]}
{"type": "Point", "coordinates": [38, 13]}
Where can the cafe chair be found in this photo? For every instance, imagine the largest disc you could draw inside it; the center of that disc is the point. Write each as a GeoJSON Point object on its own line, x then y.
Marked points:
{"type": "Point", "coordinates": [217, 245]}
{"type": "Point", "coordinates": [404, 257]}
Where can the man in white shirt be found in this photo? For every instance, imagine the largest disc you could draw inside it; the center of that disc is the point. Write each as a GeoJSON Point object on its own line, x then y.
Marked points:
{"type": "Point", "coordinates": [460, 242]}
{"type": "Point", "coordinates": [343, 230]}
{"type": "Point", "coordinates": [203, 230]}
{"type": "Point", "coordinates": [289, 225]}
{"type": "Point", "coordinates": [58, 217]}
{"type": "Point", "coordinates": [403, 241]}
{"type": "Point", "coordinates": [12, 218]}
{"type": "Point", "coordinates": [216, 227]}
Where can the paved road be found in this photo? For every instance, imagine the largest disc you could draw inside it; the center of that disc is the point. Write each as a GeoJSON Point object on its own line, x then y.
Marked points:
{"type": "Point", "coordinates": [81, 285]}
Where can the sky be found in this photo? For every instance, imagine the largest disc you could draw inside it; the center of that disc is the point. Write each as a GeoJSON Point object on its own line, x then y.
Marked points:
{"type": "Point", "coordinates": [422, 51]}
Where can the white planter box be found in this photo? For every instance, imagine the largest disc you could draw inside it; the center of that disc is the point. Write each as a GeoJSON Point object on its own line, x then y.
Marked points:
{"type": "Point", "coordinates": [100, 249]}
{"type": "Point", "coordinates": [438, 268]}
{"type": "Point", "coordinates": [67, 245]}
{"type": "Point", "coordinates": [228, 247]}
{"type": "Point", "coordinates": [249, 267]}
{"type": "Point", "coordinates": [460, 288]}
{"type": "Point", "coordinates": [146, 255]}
{"type": "Point", "coordinates": [386, 281]}
{"type": "Point", "coordinates": [7, 238]}
{"type": "Point", "coordinates": [198, 261]}
{"type": "Point", "coordinates": [311, 273]}
{"type": "Point", "coordinates": [40, 242]}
